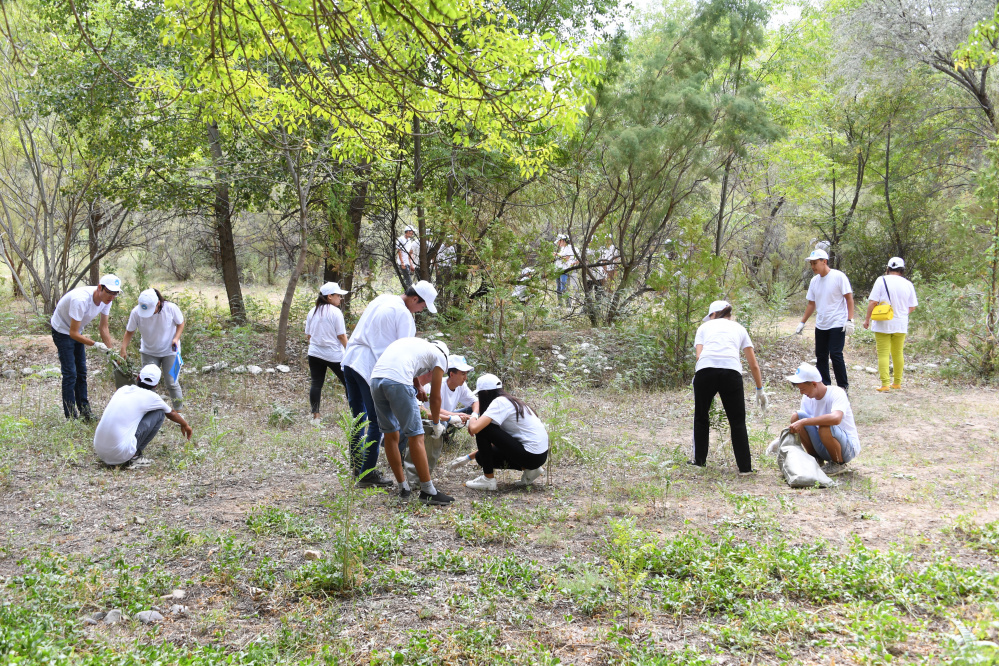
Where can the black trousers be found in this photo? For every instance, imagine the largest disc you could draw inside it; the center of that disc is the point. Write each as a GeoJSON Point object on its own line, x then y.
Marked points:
{"type": "Point", "coordinates": [317, 368]}
{"type": "Point", "coordinates": [829, 343]}
{"type": "Point", "coordinates": [728, 385]}
{"type": "Point", "coordinates": [498, 449]}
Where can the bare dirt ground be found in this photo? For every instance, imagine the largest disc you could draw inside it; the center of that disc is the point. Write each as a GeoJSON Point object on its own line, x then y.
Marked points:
{"type": "Point", "coordinates": [929, 456]}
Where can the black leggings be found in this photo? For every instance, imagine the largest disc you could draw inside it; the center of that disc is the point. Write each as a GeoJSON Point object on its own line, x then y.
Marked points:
{"type": "Point", "coordinates": [498, 449]}
{"type": "Point", "coordinates": [317, 368]}
{"type": "Point", "coordinates": [727, 384]}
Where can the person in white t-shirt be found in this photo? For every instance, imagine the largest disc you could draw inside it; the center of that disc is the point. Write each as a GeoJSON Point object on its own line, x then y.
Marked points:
{"type": "Point", "coordinates": [565, 258]}
{"type": "Point", "coordinates": [407, 252]}
{"type": "Point", "coordinates": [132, 418]}
{"type": "Point", "coordinates": [718, 343]}
{"type": "Point", "coordinates": [396, 386]}
{"type": "Point", "coordinates": [610, 257]}
{"type": "Point", "coordinates": [824, 422]}
{"type": "Point", "coordinates": [889, 335]}
{"type": "Point", "coordinates": [326, 332]}
{"type": "Point", "coordinates": [73, 312]}
{"type": "Point", "coordinates": [160, 324]}
{"type": "Point", "coordinates": [387, 318]}
{"type": "Point", "coordinates": [830, 297]}
{"type": "Point", "coordinates": [508, 435]}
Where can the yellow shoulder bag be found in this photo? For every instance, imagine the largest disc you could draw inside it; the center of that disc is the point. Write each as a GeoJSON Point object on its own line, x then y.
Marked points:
{"type": "Point", "coordinates": [883, 311]}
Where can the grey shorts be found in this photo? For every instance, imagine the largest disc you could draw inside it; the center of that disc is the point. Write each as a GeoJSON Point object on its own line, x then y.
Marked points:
{"type": "Point", "coordinates": [847, 446]}
{"type": "Point", "coordinates": [396, 407]}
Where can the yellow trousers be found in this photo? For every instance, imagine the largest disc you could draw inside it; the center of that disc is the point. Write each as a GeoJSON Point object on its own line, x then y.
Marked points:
{"type": "Point", "coordinates": [890, 344]}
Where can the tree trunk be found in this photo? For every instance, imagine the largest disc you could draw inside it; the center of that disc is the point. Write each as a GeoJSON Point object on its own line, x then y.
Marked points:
{"type": "Point", "coordinates": [341, 269]}
{"type": "Point", "coordinates": [421, 218]}
{"type": "Point", "coordinates": [94, 224]}
{"type": "Point", "coordinates": [223, 226]}
{"type": "Point", "coordinates": [720, 226]}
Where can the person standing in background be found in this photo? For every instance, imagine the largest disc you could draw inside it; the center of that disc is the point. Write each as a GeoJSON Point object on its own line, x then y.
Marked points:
{"type": "Point", "coordinates": [889, 335]}
{"type": "Point", "coordinates": [160, 324]}
{"type": "Point", "coordinates": [830, 297]}
{"type": "Point", "coordinates": [404, 257]}
{"type": "Point", "coordinates": [326, 332]}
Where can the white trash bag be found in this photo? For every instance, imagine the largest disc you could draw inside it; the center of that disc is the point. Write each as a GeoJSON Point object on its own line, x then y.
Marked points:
{"type": "Point", "coordinates": [800, 469]}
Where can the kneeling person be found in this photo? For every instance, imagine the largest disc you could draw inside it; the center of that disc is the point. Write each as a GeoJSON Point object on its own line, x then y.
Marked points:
{"type": "Point", "coordinates": [395, 388]}
{"type": "Point", "coordinates": [131, 420]}
{"type": "Point", "coordinates": [508, 435]}
{"type": "Point", "coordinates": [825, 419]}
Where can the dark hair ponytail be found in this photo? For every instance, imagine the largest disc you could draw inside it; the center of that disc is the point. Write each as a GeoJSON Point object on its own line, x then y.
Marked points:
{"type": "Point", "coordinates": [321, 301]}
{"type": "Point", "coordinates": [486, 398]}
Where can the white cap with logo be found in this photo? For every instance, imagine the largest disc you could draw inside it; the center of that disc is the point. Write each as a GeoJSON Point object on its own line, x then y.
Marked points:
{"type": "Point", "coordinates": [150, 374]}
{"type": "Point", "coordinates": [487, 382]}
{"type": "Point", "coordinates": [331, 288]}
{"type": "Point", "coordinates": [456, 362]}
{"type": "Point", "coordinates": [111, 282]}
{"type": "Point", "coordinates": [896, 262]}
{"type": "Point", "coordinates": [427, 293]}
{"type": "Point", "coordinates": [147, 303]}
{"type": "Point", "coordinates": [818, 254]}
{"type": "Point", "coordinates": [805, 373]}
{"type": "Point", "coordinates": [716, 306]}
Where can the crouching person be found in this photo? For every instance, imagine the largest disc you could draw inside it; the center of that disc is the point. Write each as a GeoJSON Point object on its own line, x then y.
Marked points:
{"type": "Point", "coordinates": [131, 420]}
{"type": "Point", "coordinates": [395, 389]}
{"type": "Point", "coordinates": [824, 422]}
{"type": "Point", "coordinates": [508, 435]}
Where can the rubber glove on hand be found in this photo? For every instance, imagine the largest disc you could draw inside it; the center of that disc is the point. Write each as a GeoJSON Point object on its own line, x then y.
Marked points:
{"type": "Point", "coordinates": [459, 461]}
{"type": "Point", "coordinates": [438, 429]}
{"type": "Point", "coordinates": [761, 399]}
{"type": "Point", "coordinates": [850, 327]}
{"type": "Point", "coordinates": [100, 346]}
{"type": "Point", "coordinates": [772, 447]}
{"type": "Point", "coordinates": [456, 421]}
{"type": "Point", "coordinates": [801, 327]}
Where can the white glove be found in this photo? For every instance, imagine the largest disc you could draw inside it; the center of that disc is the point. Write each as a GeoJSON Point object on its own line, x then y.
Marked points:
{"type": "Point", "coordinates": [850, 327]}
{"type": "Point", "coordinates": [761, 399]}
{"type": "Point", "coordinates": [456, 421]}
{"type": "Point", "coordinates": [459, 461]}
{"type": "Point", "coordinates": [801, 327]}
{"type": "Point", "coordinates": [438, 429]}
{"type": "Point", "coordinates": [772, 447]}
{"type": "Point", "coordinates": [100, 346]}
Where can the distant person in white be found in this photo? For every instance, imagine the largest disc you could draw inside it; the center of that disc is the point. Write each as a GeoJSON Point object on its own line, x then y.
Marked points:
{"type": "Point", "coordinates": [73, 312]}
{"type": "Point", "coordinates": [160, 324]}
{"type": "Point", "coordinates": [396, 385]}
{"type": "Point", "coordinates": [565, 258]}
{"type": "Point", "coordinates": [386, 319]}
{"type": "Point", "coordinates": [405, 246]}
{"type": "Point", "coordinates": [508, 435]}
{"type": "Point", "coordinates": [889, 335]}
{"type": "Point", "coordinates": [131, 420]}
{"type": "Point", "coordinates": [825, 419]}
{"type": "Point", "coordinates": [326, 332]}
{"type": "Point", "coordinates": [718, 342]}
{"type": "Point", "coordinates": [830, 297]}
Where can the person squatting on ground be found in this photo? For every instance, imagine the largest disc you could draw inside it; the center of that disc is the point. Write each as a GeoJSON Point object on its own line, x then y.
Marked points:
{"type": "Point", "coordinates": [508, 435]}
{"type": "Point", "coordinates": [73, 312]}
{"type": "Point", "coordinates": [395, 389]}
{"type": "Point", "coordinates": [830, 297]}
{"type": "Point", "coordinates": [407, 253]}
{"type": "Point", "coordinates": [824, 422]}
{"type": "Point", "coordinates": [889, 335]}
{"type": "Point", "coordinates": [719, 371]}
{"type": "Point", "coordinates": [326, 332]}
{"type": "Point", "coordinates": [160, 324]}
{"type": "Point", "coordinates": [131, 420]}
{"type": "Point", "coordinates": [387, 318]}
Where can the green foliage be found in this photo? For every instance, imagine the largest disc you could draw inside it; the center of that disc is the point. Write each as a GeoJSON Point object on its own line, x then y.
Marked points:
{"type": "Point", "coordinates": [281, 416]}
{"type": "Point", "coordinates": [982, 537]}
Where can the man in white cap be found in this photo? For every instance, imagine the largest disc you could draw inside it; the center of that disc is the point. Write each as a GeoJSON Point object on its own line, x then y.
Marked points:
{"type": "Point", "coordinates": [396, 385]}
{"type": "Point", "coordinates": [830, 297]}
{"type": "Point", "coordinates": [131, 420]}
{"type": "Point", "coordinates": [565, 258]}
{"type": "Point", "coordinates": [73, 312]}
{"type": "Point", "coordinates": [160, 324]}
{"type": "Point", "coordinates": [824, 421]}
{"type": "Point", "coordinates": [386, 319]}
{"type": "Point", "coordinates": [407, 254]}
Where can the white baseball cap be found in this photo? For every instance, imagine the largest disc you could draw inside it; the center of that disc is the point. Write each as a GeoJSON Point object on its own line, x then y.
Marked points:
{"type": "Point", "coordinates": [111, 282]}
{"type": "Point", "coordinates": [441, 345]}
{"type": "Point", "coordinates": [409, 227]}
{"type": "Point", "coordinates": [455, 362]}
{"type": "Point", "coordinates": [427, 293]}
{"type": "Point", "coordinates": [805, 373]}
{"type": "Point", "coordinates": [896, 262]}
{"type": "Point", "coordinates": [564, 237]}
{"type": "Point", "coordinates": [150, 374]}
{"type": "Point", "coordinates": [487, 382]}
{"type": "Point", "coordinates": [147, 303]}
{"type": "Point", "coordinates": [818, 254]}
{"type": "Point", "coordinates": [331, 288]}
{"type": "Point", "coordinates": [716, 306]}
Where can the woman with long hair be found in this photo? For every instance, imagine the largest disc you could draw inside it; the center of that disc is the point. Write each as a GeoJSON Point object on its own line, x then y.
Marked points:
{"type": "Point", "coordinates": [326, 332]}
{"type": "Point", "coordinates": [160, 324]}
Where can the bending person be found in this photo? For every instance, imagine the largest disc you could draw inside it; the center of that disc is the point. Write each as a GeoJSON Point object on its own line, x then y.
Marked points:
{"type": "Point", "coordinates": [326, 332]}
{"type": "Point", "coordinates": [160, 324]}
{"type": "Point", "coordinates": [508, 435]}
{"type": "Point", "coordinates": [131, 420]}
{"type": "Point", "coordinates": [825, 419]}
{"type": "Point", "coordinates": [719, 371]}
{"type": "Point", "coordinates": [889, 335]}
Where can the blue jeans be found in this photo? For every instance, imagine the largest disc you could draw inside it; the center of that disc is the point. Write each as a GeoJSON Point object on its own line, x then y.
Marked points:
{"type": "Point", "coordinates": [73, 362]}
{"type": "Point", "coordinates": [562, 284]}
{"type": "Point", "coordinates": [847, 446]}
{"type": "Point", "coordinates": [147, 429]}
{"type": "Point", "coordinates": [361, 404]}
{"type": "Point", "coordinates": [397, 408]}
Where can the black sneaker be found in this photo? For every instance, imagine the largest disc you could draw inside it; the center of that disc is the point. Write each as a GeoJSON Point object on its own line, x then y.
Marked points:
{"type": "Point", "coordinates": [440, 499]}
{"type": "Point", "coordinates": [405, 494]}
{"type": "Point", "coordinates": [374, 479]}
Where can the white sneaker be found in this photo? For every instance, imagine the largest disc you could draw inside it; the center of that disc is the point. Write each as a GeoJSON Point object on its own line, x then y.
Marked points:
{"type": "Point", "coordinates": [529, 476]}
{"type": "Point", "coordinates": [458, 462]}
{"type": "Point", "coordinates": [481, 483]}
{"type": "Point", "coordinates": [316, 423]}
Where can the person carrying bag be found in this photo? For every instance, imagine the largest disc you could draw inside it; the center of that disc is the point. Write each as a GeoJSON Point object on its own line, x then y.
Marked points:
{"type": "Point", "coordinates": [892, 300]}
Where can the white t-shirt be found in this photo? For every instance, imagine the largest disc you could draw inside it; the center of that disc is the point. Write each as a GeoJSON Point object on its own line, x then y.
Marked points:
{"type": "Point", "coordinates": [384, 321]}
{"type": "Point", "coordinates": [828, 293]}
{"type": "Point", "coordinates": [723, 341]}
{"type": "Point", "coordinates": [407, 251]}
{"type": "Point", "coordinates": [565, 257]}
{"type": "Point", "coordinates": [114, 440]}
{"type": "Point", "coordinates": [156, 332]}
{"type": "Point", "coordinates": [452, 401]}
{"type": "Point", "coordinates": [528, 429]}
{"type": "Point", "coordinates": [406, 359]}
{"type": "Point", "coordinates": [78, 305]}
{"type": "Point", "coordinates": [324, 326]}
{"type": "Point", "coordinates": [835, 400]}
{"type": "Point", "coordinates": [902, 296]}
